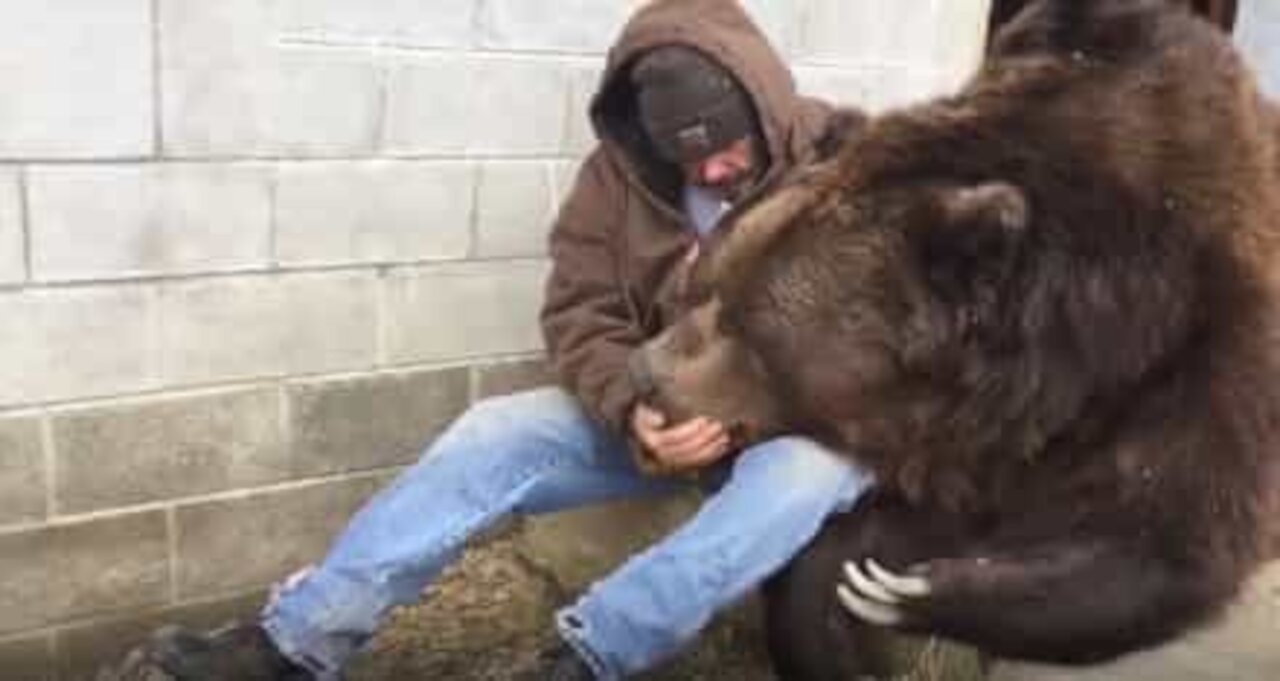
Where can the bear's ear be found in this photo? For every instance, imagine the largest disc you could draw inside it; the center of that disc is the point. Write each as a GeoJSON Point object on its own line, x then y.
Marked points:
{"type": "Point", "coordinates": [974, 237]}
{"type": "Point", "coordinates": [735, 252]}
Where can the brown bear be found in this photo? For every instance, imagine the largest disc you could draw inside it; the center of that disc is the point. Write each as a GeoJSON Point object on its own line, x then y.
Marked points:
{"type": "Point", "coordinates": [1044, 313]}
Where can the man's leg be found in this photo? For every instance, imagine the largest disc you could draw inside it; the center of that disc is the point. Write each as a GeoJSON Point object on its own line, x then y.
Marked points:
{"type": "Point", "coordinates": [773, 503]}
{"type": "Point", "coordinates": [530, 452]}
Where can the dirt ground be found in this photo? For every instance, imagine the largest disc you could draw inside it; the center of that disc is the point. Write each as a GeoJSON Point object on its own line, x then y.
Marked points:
{"type": "Point", "coordinates": [487, 617]}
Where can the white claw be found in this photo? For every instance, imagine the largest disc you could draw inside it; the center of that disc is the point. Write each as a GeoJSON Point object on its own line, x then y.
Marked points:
{"type": "Point", "coordinates": [910, 587]}
{"type": "Point", "coordinates": [868, 611]}
{"type": "Point", "coordinates": [868, 586]}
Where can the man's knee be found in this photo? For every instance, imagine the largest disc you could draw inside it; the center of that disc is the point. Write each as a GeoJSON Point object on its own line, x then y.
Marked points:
{"type": "Point", "coordinates": [522, 413]}
{"type": "Point", "coordinates": [801, 469]}
{"type": "Point", "coordinates": [546, 419]}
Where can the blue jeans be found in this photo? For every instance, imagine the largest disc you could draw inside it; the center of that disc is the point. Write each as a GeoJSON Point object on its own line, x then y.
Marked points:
{"type": "Point", "coordinates": [538, 452]}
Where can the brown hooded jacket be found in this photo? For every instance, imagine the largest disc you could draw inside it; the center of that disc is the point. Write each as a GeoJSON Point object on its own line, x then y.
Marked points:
{"type": "Point", "coordinates": [620, 235]}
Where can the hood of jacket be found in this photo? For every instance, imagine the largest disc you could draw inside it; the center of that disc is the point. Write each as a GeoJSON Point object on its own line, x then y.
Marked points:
{"type": "Point", "coordinates": [723, 31]}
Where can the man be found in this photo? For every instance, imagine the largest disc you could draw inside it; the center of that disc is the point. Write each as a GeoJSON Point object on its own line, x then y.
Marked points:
{"type": "Point", "coordinates": [697, 118]}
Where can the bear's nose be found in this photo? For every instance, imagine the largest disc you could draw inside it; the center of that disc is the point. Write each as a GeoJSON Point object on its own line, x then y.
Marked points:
{"type": "Point", "coordinates": [642, 375]}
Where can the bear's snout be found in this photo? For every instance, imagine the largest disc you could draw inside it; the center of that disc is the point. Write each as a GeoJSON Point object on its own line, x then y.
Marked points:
{"type": "Point", "coordinates": [641, 374]}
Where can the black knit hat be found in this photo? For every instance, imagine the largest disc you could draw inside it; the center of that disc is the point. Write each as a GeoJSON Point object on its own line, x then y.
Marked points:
{"type": "Point", "coordinates": [690, 107]}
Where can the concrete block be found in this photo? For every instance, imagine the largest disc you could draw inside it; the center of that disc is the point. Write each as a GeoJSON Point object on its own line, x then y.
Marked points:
{"type": "Point", "coordinates": [509, 377]}
{"type": "Point", "coordinates": [77, 79]}
{"type": "Point", "coordinates": [480, 105]}
{"type": "Point", "coordinates": [88, 649]}
{"type": "Point", "coordinates": [1241, 647]}
{"type": "Point", "coordinates": [243, 327]}
{"type": "Point", "coordinates": [429, 106]}
{"type": "Point", "coordinates": [257, 540]}
{"type": "Point", "coordinates": [960, 37]}
{"type": "Point", "coordinates": [571, 26]}
{"type": "Point", "coordinates": [22, 470]}
{"type": "Point", "coordinates": [940, 82]}
{"type": "Point", "coordinates": [1258, 36]}
{"type": "Point", "coordinates": [411, 23]}
{"type": "Point", "coordinates": [781, 21]}
{"type": "Point", "coordinates": [875, 89]}
{"type": "Point", "coordinates": [841, 86]}
{"type": "Point", "coordinates": [230, 90]}
{"type": "Point", "coordinates": [27, 658]}
{"type": "Point", "coordinates": [75, 343]}
{"type": "Point", "coordinates": [154, 450]}
{"type": "Point", "coordinates": [373, 212]}
{"type": "Point", "coordinates": [58, 573]}
{"type": "Point", "coordinates": [870, 33]}
{"type": "Point", "coordinates": [564, 174]}
{"type": "Point", "coordinates": [1252, 11]}
{"type": "Point", "coordinates": [515, 208]}
{"type": "Point", "coordinates": [13, 266]}
{"type": "Point", "coordinates": [580, 137]}
{"type": "Point", "coordinates": [96, 222]}
{"type": "Point", "coordinates": [373, 422]}
{"type": "Point", "coordinates": [900, 88]}
{"type": "Point", "coordinates": [501, 301]}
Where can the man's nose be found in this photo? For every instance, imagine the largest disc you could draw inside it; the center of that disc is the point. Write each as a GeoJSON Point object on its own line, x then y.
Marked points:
{"type": "Point", "coordinates": [715, 172]}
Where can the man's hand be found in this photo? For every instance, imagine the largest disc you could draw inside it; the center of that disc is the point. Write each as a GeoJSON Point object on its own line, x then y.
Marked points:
{"type": "Point", "coordinates": [684, 446]}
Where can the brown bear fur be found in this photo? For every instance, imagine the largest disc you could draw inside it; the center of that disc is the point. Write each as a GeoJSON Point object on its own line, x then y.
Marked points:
{"type": "Point", "coordinates": [1043, 312]}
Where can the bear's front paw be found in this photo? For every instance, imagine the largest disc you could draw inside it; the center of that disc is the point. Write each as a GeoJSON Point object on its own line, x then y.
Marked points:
{"type": "Point", "coordinates": [874, 594]}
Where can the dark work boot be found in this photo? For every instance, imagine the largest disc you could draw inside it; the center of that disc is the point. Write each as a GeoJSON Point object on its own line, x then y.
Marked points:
{"type": "Point", "coordinates": [240, 652]}
{"type": "Point", "coordinates": [558, 663]}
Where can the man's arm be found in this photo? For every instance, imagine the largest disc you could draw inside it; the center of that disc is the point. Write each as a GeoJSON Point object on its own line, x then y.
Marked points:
{"type": "Point", "coordinates": [591, 329]}
{"type": "Point", "coordinates": [589, 325]}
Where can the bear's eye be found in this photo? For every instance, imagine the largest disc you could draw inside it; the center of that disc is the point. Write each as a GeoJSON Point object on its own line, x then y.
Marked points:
{"type": "Point", "coordinates": [695, 291]}
{"type": "Point", "coordinates": [729, 322]}
{"type": "Point", "coordinates": [686, 339]}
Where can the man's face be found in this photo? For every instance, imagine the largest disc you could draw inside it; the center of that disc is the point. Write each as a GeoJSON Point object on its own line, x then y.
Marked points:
{"type": "Point", "coordinates": [729, 172]}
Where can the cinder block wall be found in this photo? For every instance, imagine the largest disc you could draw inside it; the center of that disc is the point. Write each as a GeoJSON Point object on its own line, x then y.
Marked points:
{"type": "Point", "coordinates": [255, 253]}
{"type": "Point", "coordinates": [1258, 34]}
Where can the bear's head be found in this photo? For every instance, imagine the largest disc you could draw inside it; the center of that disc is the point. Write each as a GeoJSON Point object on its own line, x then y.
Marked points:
{"type": "Point", "coordinates": [841, 309]}
{"type": "Point", "coordinates": [944, 315]}
{"type": "Point", "coordinates": [1004, 275]}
